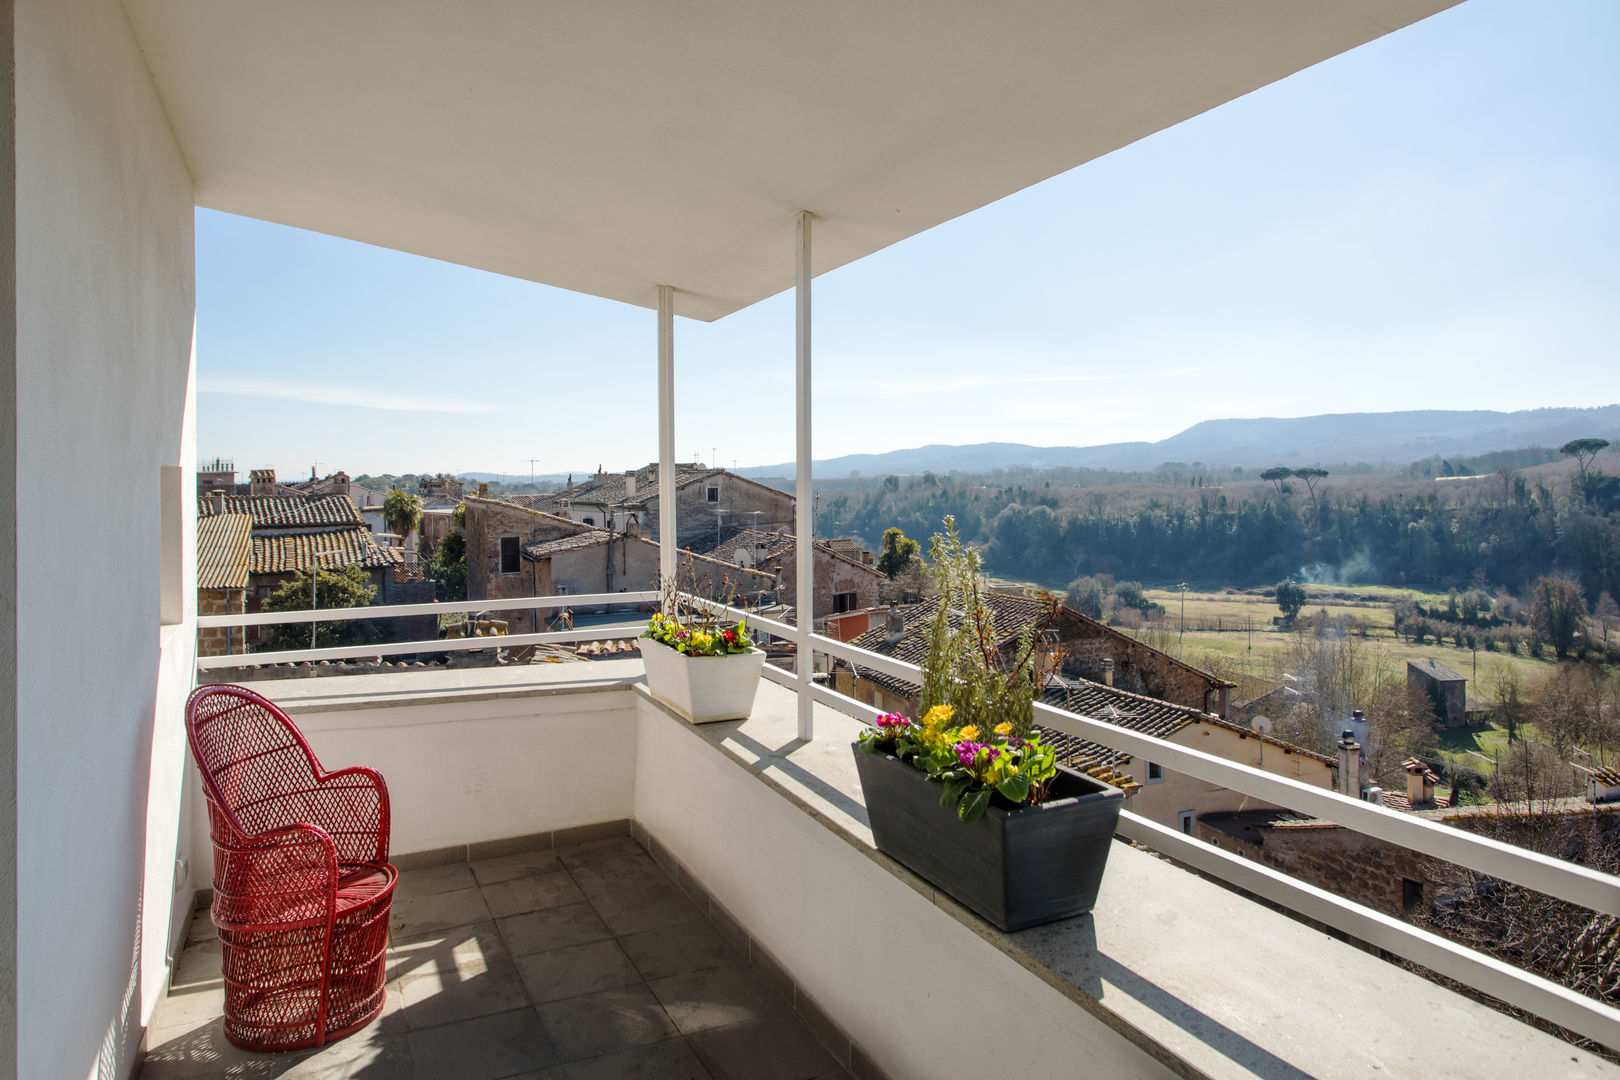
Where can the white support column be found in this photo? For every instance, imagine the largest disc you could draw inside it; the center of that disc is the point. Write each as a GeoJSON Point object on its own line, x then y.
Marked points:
{"type": "Point", "coordinates": [666, 435]}
{"type": "Point", "coordinates": [804, 517]}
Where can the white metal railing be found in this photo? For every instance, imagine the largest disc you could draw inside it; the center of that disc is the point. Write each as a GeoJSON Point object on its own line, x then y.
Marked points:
{"type": "Point", "coordinates": [401, 611]}
{"type": "Point", "coordinates": [1566, 881]}
{"type": "Point", "coordinates": [1577, 884]}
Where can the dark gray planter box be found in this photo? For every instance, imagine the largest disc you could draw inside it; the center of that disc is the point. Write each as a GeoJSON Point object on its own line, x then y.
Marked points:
{"type": "Point", "coordinates": [1017, 868]}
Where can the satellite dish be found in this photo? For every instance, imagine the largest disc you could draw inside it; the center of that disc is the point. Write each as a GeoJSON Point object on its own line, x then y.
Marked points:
{"type": "Point", "coordinates": [1261, 724]}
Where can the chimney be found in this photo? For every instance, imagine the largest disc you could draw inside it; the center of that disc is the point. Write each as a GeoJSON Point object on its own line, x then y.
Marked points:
{"type": "Point", "coordinates": [483, 489]}
{"type": "Point", "coordinates": [894, 625]}
{"type": "Point", "coordinates": [1108, 671]}
{"type": "Point", "coordinates": [866, 558]}
{"type": "Point", "coordinates": [1419, 782]}
{"type": "Point", "coordinates": [216, 499]}
{"type": "Point", "coordinates": [1349, 765]}
{"type": "Point", "coordinates": [629, 483]}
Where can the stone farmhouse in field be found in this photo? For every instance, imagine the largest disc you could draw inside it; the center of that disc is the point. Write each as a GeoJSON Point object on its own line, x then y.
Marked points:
{"type": "Point", "coordinates": [1446, 689]}
{"type": "Point", "coordinates": [706, 501]}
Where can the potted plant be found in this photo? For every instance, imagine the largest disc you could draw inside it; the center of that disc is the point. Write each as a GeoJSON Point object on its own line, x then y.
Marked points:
{"type": "Point", "coordinates": [704, 668]}
{"type": "Point", "coordinates": [969, 797]}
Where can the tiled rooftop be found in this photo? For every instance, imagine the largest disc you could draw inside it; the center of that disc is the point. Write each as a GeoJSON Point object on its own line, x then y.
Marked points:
{"type": "Point", "coordinates": [224, 551]}
{"type": "Point", "coordinates": [286, 511]}
{"type": "Point", "coordinates": [575, 963]}
{"type": "Point", "coordinates": [279, 553]}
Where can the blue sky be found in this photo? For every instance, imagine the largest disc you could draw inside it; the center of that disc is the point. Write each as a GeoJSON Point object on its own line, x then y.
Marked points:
{"type": "Point", "coordinates": [1429, 221]}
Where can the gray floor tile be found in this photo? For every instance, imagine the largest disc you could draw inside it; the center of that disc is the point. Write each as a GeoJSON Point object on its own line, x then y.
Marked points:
{"type": "Point", "coordinates": [429, 880]}
{"type": "Point", "coordinates": [484, 1048]}
{"type": "Point", "coordinates": [613, 1020]}
{"type": "Point", "coordinates": [507, 867]}
{"type": "Point", "coordinates": [677, 950]}
{"type": "Point", "coordinates": [202, 1050]}
{"type": "Point", "coordinates": [671, 1059]}
{"type": "Point", "coordinates": [553, 928]}
{"type": "Point", "coordinates": [417, 916]}
{"type": "Point", "coordinates": [717, 997]}
{"type": "Point", "coordinates": [533, 892]}
{"type": "Point", "coordinates": [576, 970]}
{"type": "Point", "coordinates": [778, 1048]}
{"type": "Point", "coordinates": [630, 911]}
{"type": "Point", "coordinates": [633, 872]}
{"type": "Point", "coordinates": [464, 974]}
{"type": "Point", "coordinates": [614, 847]}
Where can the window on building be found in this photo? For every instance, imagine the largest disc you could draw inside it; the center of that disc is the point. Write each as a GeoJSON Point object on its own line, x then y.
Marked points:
{"type": "Point", "coordinates": [509, 554]}
{"type": "Point", "coordinates": [845, 601]}
{"type": "Point", "coordinates": [590, 521]}
{"type": "Point", "coordinates": [1155, 772]}
{"type": "Point", "coordinates": [1411, 894]}
{"type": "Point", "coordinates": [1189, 822]}
{"type": "Point", "coordinates": [713, 492]}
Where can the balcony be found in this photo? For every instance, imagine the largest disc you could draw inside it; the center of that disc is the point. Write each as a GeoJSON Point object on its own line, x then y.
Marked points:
{"type": "Point", "coordinates": [510, 785]}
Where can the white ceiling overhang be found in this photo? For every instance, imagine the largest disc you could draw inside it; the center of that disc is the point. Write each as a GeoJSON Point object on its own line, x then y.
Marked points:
{"type": "Point", "coordinates": [607, 147]}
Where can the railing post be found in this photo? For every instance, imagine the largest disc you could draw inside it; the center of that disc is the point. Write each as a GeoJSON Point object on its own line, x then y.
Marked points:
{"type": "Point", "coordinates": [804, 517]}
{"type": "Point", "coordinates": [666, 437]}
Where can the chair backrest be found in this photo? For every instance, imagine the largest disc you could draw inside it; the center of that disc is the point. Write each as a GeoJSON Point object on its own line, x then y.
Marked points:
{"type": "Point", "coordinates": [257, 769]}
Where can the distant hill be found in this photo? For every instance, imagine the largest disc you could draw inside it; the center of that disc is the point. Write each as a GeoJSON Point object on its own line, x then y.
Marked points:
{"type": "Point", "coordinates": [1395, 438]}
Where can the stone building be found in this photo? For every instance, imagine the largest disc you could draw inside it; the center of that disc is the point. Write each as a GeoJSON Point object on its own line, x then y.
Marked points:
{"type": "Point", "coordinates": [1091, 650]}
{"type": "Point", "coordinates": [846, 579]}
{"type": "Point", "coordinates": [1444, 687]}
{"type": "Point", "coordinates": [706, 502]}
{"type": "Point", "coordinates": [517, 552]}
{"type": "Point", "coordinates": [224, 565]}
{"type": "Point", "coordinates": [290, 534]}
{"type": "Point", "coordinates": [442, 486]}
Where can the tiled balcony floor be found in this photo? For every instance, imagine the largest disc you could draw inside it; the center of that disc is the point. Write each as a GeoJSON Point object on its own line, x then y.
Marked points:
{"type": "Point", "coordinates": [579, 963]}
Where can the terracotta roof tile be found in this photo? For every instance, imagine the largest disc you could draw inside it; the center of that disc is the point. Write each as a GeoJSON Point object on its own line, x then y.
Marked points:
{"type": "Point", "coordinates": [287, 511]}
{"type": "Point", "coordinates": [1610, 777]}
{"type": "Point", "coordinates": [224, 551]}
{"type": "Point", "coordinates": [282, 553]}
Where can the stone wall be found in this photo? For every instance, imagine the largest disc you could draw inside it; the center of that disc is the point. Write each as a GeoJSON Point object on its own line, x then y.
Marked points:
{"type": "Point", "coordinates": [220, 640]}
{"type": "Point", "coordinates": [1137, 667]}
{"type": "Point", "coordinates": [696, 518]}
{"type": "Point", "coordinates": [1360, 868]}
{"type": "Point", "coordinates": [834, 575]}
{"type": "Point", "coordinates": [488, 521]}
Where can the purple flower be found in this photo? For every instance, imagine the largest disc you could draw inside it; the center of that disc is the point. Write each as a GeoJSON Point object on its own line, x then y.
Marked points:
{"type": "Point", "coordinates": [966, 751]}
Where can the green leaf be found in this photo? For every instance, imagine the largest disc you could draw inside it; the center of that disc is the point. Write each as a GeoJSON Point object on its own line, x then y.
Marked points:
{"type": "Point", "coordinates": [1015, 788]}
{"type": "Point", "coordinates": [953, 791]}
{"type": "Point", "coordinates": [974, 805]}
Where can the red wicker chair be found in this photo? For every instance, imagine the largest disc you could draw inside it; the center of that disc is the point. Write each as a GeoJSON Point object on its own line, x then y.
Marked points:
{"type": "Point", "coordinates": [302, 884]}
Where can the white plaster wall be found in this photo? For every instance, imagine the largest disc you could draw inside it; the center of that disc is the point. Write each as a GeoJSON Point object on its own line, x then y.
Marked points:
{"type": "Point", "coordinates": [469, 771]}
{"type": "Point", "coordinates": [104, 323]}
{"type": "Point", "coordinates": [859, 940]}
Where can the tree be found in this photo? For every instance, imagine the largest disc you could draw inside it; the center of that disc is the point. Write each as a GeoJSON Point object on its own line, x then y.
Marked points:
{"type": "Point", "coordinates": [1608, 614]}
{"type": "Point", "coordinates": [898, 551]}
{"type": "Point", "coordinates": [345, 588]}
{"type": "Point", "coordinates": [1290, 598]}
{"type": "Point", "coordinates": [1312, 476]}
{"type": "Point", "coordinates": [1557, 613]}
{"type": "Point", "coordinates": [402, 512]}
{"type": "Point", "coordinates": [1509, 709]}
{"type": "Point", "coordinates": [1583, 451]}
{"type": "Point", "coordinates": [1086, 595]}
{"type": "Point", "coordinates": [448, 568]}
{"type": "Point", "coordinates": [1277, 475]}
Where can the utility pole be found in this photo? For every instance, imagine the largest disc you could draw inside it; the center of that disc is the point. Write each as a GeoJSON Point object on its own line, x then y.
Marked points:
{"type": "Point", "coordinates": [531, 471]}
{"type": "Point", "coordinates": [1183, 631]}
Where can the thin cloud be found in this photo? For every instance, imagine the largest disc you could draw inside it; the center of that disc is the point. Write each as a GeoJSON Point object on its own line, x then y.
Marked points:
{"type": "Point", "coordinates": [323, 394]}
{"type": "Point", "coordinates": [989, 381]}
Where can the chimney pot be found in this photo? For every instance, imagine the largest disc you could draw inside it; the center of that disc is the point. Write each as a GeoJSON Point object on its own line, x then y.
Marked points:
{"type": "Point", "coordinates": [1108, 671]}
{"type": "Point", "coordinates": [894, 625]}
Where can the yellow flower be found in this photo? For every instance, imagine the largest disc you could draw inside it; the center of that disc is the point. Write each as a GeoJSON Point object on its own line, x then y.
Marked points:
{"type": "Point", "coordinates": [1003, 728]}
{"type": "Point", "coordinates": [969, 732]}
{"type": "Point", "coordinates": [938, 717]}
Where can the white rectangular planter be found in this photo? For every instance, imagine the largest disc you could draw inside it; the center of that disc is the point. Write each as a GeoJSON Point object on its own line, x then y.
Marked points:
{"type": "Point", "coordinates": [703, 688]}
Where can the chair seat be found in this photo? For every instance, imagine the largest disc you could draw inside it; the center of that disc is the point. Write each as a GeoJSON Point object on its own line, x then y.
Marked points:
{"type": "Point", "coordinates": [361, 884]}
